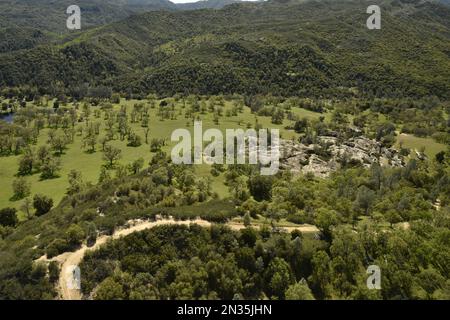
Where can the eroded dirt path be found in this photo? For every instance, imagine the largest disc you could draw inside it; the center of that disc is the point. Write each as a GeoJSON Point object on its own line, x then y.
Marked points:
{"type": "Point", "coordinates": [69, 259]}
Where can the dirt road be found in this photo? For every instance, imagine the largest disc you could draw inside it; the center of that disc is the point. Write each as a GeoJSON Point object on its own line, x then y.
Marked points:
{"type": "Point", "coordinates": [70, 259]}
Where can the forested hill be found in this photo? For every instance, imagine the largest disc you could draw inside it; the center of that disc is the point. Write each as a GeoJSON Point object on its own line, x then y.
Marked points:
{"type": "Point", "coordinates": [202, 4]}
{"type": "Point", "coordinates": [27, 23]}
{"type": "Point", "coordinates": [50, 15]}
{"type": "Point", "coordinates": [314, 48]}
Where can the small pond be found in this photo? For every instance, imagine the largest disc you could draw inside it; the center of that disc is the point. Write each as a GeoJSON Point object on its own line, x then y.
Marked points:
{"type": "Point", "coordinates": [8, 117]}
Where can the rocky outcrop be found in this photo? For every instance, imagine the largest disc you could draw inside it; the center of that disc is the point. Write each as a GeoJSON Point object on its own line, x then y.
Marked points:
{"type": "Point", "coordinates": [329, 154]}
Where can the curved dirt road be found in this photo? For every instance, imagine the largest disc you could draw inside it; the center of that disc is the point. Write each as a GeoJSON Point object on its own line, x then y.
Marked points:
{"type": "Point", "coordinates": [70, 259]}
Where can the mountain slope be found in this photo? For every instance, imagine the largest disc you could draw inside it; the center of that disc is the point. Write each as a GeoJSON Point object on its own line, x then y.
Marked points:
{"type": "Point", "coordinates": [206, 4]}
{"type": "Point", "coordinates": [25, 24]}
{"type": "Point", "coordinates": [50, 15]}
{"type": "Point", "coordinates": [313, 48]}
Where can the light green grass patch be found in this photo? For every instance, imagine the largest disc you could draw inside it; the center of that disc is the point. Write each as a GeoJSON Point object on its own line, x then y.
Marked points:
{"type": "Point", "coordinates": [415, 143]}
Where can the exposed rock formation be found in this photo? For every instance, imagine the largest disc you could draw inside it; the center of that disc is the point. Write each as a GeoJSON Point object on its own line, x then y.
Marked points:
{"type": "Point", "coordinates": [330, 154]}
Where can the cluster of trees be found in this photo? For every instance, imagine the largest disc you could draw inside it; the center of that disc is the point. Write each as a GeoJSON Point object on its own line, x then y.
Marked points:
{"type": "Point", "coordinates": [63, 123]}
{"type": "Point", "coordinates": [162, 185]}
{"type": "Point", "coordinates": [376, 118]}
{"type": "Point", "coordinates": [9, 218]}
{"type": "Point", "coordinates": [357, 211]}
{"type": "Point", "coordinates": [351, 209]}
{"type": "Point", "coordinates": [179, 262]}
{"type": "Point", "coordinates": [425, 117]}
{"type": "Point", "coordinates": [18, 137]}
{"type": "Point", "coordinates": [42, 160]}
{"type": "Point", "coordinates": [381, 194]}
{"type": "Point", "coordinates": [14, 139]}
{"type": "Point", "coordinates": [407, 272]}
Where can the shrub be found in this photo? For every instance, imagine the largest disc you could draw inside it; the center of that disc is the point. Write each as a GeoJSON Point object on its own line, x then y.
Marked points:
{"type": "Point", "coordinates": [42, 204]}
{"type": "Point", "coordinates": [8, 217]}
{"type": "Point", "coordinates": [75, 235]}
{"type": "Point", "coordinates": [57, 247]}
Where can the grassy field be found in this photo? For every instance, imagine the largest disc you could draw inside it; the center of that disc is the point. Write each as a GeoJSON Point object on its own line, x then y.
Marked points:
{"type": "Point", "coordinates": [415, 143]}
{"type": "Point", "coordinates": [75, 157]}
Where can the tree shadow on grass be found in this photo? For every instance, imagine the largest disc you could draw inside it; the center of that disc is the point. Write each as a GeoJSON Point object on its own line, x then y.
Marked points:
{"type": "Point", "coordinates": [56, 176]}
{"type": "Point", "coordinates": [16, 198]}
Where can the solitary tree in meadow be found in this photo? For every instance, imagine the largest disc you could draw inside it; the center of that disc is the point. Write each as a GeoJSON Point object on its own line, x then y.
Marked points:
{"type": "Point", "coordinates": [26, 163]}
{"type": "Point", "coordinates": [50, 168]}
{"type": "Point", "coordinates": [26, 207]}
{"type": "Point", "coordinates": [111, 154]}
{"type": "Point", "coordinates": [75, 182]}
{"type": "Point", "coordinates": [21, 188]}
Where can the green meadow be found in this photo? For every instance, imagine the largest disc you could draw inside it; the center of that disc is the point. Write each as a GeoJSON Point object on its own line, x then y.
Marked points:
{"type": "Point", "coordinates": [416, 143]}
{"type": "Point", "coordinates": [77, 158]}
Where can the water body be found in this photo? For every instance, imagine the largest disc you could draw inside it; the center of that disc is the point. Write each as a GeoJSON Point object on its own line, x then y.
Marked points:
{"type": "Point", "coordinates": [8, 117]}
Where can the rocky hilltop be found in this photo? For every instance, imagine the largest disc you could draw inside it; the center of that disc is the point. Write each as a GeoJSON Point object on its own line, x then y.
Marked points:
{"type": "Point", "coordinates": [330, 154]}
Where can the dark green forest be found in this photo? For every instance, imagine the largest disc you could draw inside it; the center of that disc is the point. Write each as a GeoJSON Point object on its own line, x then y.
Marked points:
{"type": "Point", "coordinates": [220, 264]}
{"type": "Point", "coordinates": [317, 48]}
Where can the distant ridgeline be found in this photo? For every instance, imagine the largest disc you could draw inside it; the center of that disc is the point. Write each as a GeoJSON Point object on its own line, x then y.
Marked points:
{"type": "Point", "coordinates": [49, 16]}
{"type": "Point", "coordinates": [314, 48]}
